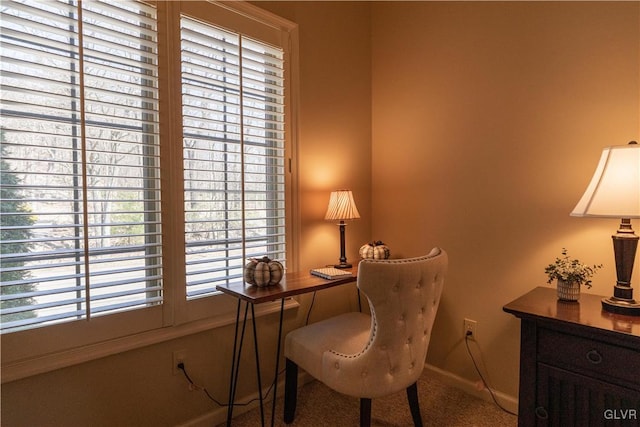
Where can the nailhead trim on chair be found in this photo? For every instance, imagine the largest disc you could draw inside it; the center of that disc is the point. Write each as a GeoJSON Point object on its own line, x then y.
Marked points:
{"type": "Point", "coordinates": [402, 319]}
{"type": "Point", "coordinates": [392, 355]}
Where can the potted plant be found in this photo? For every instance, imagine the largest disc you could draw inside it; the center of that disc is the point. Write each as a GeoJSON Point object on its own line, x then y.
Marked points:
{"type": "Point", "coordinates": [570, 274]}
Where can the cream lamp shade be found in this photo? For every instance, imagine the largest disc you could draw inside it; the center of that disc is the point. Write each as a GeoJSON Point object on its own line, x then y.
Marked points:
{"type": "Point", "coordinates": [342, 206]}
{"type": "Point", "coordinates": [614, 190]}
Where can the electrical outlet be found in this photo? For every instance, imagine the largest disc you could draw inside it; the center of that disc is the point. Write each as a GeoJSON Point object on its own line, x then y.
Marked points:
{"type": "Point", "coordinates": [179, 356]}
{"type": "Point", "coordinates": [470, 328]}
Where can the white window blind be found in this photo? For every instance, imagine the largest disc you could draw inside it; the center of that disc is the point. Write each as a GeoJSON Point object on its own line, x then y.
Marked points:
{"type": "Point", "coordinates": [234, 154]}
{"type": "Point", "coordinates": [80, 217]}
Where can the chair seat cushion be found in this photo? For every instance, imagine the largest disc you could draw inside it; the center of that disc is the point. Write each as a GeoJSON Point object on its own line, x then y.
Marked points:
{"type": "Point", "coordinates": [347, 334]}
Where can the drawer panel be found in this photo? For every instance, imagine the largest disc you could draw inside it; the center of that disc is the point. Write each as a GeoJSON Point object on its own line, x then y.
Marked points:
{"type": "Point", "coordinates": [589, 356]}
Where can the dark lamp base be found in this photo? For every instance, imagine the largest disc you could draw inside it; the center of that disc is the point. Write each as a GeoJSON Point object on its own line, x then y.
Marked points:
{"type": "Point", "coordinates": [343, 265]}
{"type": "Point", "coordinates": [619, 306]}
{"type": "Point", "coordinates": [625, 243]}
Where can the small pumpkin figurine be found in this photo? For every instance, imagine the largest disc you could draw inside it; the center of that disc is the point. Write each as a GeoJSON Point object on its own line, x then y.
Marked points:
{"type": "Point", "coordinates": [263, 272]}
{"type": "Point", "coordinates": [375, 250]}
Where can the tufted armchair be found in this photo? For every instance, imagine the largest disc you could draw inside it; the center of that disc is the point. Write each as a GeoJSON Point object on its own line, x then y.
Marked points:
{"type": "Point", "coordinates": [372, 356]}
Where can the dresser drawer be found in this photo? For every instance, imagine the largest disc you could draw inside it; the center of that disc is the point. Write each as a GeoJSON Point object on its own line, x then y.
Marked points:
{"type": "Point", "coordinates": [586, 355]}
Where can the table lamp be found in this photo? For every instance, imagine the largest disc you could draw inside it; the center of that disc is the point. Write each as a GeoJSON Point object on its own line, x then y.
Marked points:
{"type": "Point", "coordinates": [342, 207]}
{"type": "Point", "coordinates": [614, 191]}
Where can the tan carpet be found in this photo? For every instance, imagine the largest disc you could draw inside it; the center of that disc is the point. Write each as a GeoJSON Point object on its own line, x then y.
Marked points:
{"type": "Point", "coordinates": [440, 405]}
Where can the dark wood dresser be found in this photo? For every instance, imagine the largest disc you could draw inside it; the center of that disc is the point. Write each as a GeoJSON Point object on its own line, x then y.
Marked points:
{"type": "Point", "coordinates": [579, 365]}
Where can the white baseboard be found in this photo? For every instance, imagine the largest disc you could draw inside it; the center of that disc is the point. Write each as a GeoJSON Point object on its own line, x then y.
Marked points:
{"type": "Point", "coordinates": [508, 402]}
{"type": "Point", "coordinates": [219, 415]}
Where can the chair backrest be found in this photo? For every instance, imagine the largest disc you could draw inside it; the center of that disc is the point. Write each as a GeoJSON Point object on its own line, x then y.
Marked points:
{"type": "Point", "coordinates": [404, 295]}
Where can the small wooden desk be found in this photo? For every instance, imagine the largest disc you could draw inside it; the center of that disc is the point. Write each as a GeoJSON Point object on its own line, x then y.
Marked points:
{"type": "Point", "coordinates": [292, 284]}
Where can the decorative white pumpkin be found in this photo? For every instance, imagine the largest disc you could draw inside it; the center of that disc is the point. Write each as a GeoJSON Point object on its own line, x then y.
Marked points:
{"type": "Point", "coordinates": [375, 250]}
{"type": "Point", "coordinates": [263, 272]}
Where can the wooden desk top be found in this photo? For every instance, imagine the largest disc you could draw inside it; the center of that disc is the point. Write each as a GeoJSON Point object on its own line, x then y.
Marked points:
{"type": "Point", "coordinates": [291, 284]}
{"type": "Point", "coordinates": [542, 302]}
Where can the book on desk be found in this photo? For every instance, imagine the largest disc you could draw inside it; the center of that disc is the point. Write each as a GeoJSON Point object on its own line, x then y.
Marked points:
{"type": "Point", "coordinates": [330, 273]}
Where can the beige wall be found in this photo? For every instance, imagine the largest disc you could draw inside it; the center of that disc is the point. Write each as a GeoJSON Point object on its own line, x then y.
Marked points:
{"type": "Point", "coordinates": [473, 126]}
{"type": "Point", "coordinates": [488, 121]}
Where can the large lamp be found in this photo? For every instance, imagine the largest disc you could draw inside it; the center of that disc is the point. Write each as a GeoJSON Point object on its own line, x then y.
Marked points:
{"type": "Point", "coordinates": [342, 207]}
{"type": "Point", "coordinates": [614, 191]}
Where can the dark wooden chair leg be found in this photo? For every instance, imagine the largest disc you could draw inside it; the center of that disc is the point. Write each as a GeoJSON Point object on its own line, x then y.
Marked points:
{"type": "Point", "coordinates": [290, 391]}
{"type": "Point", "coordinates": [365, 412]}
{"type": "Point", "coordinates": [414, 405]}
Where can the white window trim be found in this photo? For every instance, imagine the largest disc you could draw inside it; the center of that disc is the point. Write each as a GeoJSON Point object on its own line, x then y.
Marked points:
{"type": "Point", "coordinates": [41, 364]}
{"type": "Point", "coordinates": [19, 361]}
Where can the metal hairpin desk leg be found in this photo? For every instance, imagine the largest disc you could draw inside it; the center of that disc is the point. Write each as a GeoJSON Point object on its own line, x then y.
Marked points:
{"type": "Point", "coordinates": [275, 381]}
{"type": "Point", "coordinates": [257, 356]}
{"type": "Point", "coordinates": [235, 362]}
{"type": "Point", "coordinates": [233, 380]}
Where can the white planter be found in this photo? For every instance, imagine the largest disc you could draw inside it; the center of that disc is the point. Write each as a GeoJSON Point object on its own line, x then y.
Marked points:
{"type": "Point", "coordinates": [568, 291]}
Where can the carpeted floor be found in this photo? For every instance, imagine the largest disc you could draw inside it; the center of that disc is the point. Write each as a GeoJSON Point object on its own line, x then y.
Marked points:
{"type": "Point", "coordinates": [440, 405]}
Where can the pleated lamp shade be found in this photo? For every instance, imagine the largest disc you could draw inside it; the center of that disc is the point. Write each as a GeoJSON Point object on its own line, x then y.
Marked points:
{"type": "Point", "coordinates": [342, 206]}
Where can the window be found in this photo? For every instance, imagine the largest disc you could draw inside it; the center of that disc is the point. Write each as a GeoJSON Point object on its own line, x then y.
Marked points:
{"type": "Point", "coordinates": [145, 157]}
{"type": "Point", "coordinates": [80, 161]}
{"type": "Point", "coordinates": [233, 145]}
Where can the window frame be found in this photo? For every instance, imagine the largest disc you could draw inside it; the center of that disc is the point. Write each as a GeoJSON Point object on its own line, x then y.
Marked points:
{"type": "Point", "coordinates": [43, 349]}
{"type": "Point", "coordinates": [75, 125]}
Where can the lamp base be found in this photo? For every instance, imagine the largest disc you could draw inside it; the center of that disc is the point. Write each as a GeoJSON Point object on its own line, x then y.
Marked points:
{"type": "Point", "coordinates": [625, 243]}
{"type": "Point", "coordinates": [621, 306]}
{"type": "Point", "coordinates": [343, 265]}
